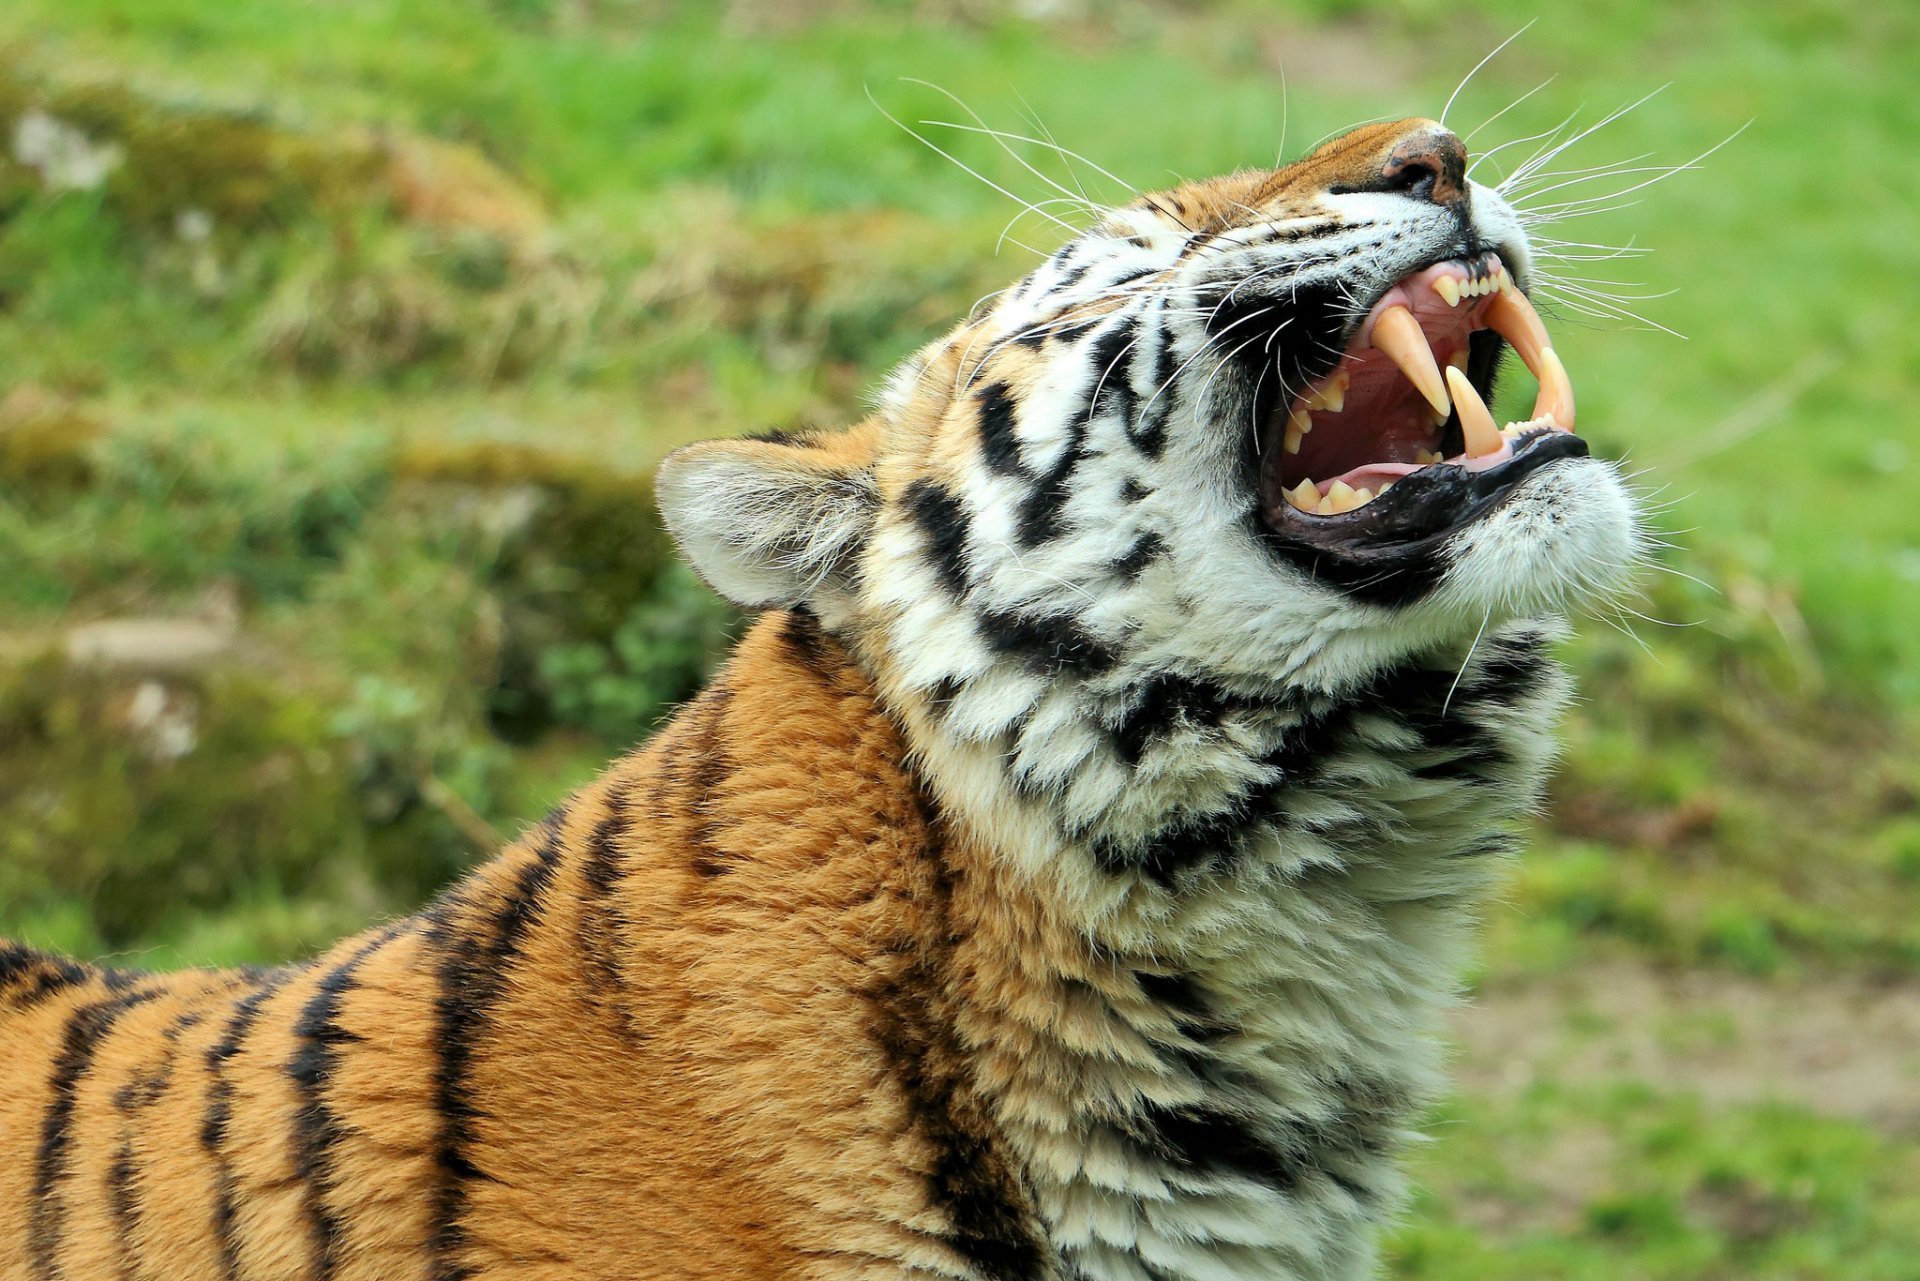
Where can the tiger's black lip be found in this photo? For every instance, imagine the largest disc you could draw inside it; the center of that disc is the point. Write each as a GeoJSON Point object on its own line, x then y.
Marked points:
{"type": "Point", "coordinates": [1390, 549]}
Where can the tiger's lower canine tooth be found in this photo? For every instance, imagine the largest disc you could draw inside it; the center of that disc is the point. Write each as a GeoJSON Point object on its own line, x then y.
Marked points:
{"type": "Point", "coordinates": [1555, 401]}
{"type": "Point", "coordinates": [1512, 317]}
{"type": "Point", "coordinates": [1476, 422]}
{"type": "Point", "coordinates": [1399, 335]}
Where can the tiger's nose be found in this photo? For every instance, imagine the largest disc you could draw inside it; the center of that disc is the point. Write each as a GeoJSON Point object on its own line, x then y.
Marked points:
{"type": "Point", "coordinates": [1428, 164]}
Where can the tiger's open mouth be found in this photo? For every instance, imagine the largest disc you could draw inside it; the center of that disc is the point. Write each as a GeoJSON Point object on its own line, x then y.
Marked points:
{"type": "Point", "coordinates": [1395, 444]}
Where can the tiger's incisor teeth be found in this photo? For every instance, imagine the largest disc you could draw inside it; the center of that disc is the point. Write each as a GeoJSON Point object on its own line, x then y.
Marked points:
{"type": "Point", "coordinates": [1483, 437]}
{"type": "Point", "coordinates": [1341, 497]}
{"type": "Point", "coordinates": [1398, 334]}
{"type": "Point", "coordinates": [1449, 289]}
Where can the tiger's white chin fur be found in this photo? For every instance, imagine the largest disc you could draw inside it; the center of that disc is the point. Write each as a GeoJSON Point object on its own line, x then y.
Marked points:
{"type": "Point", "coordinates": [1566, 539]}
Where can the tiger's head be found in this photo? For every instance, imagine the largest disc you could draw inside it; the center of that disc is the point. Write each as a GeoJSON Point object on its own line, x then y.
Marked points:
{"type": "Point", "coordinates": [1230, 448]}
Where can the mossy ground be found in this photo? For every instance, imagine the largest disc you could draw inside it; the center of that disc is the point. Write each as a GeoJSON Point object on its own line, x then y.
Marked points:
{"type": "Point", "coordinates": [339, 342]}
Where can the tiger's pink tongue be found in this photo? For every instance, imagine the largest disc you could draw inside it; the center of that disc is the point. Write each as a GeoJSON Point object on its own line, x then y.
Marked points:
{"type": "Point", "coordinates": [1375, 477]}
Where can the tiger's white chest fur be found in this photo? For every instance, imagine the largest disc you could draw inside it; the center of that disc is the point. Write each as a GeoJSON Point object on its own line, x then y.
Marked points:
{"type": "Point", "coordinates": [1218, 1085]}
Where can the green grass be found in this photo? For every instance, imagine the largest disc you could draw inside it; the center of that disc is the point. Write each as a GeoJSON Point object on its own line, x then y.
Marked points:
{"type": "Point", "coordinates": [362, 353]}
{"type": "Point", "coordinates": [1615, 1180]}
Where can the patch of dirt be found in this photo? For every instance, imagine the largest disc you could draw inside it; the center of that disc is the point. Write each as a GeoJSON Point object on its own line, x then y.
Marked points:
{"type": "Point", "coordinates": [1836, 1045]}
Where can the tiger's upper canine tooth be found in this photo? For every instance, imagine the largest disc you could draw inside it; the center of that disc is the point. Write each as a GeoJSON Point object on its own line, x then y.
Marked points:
{"type": "Point", "coordinates": [1399, 335]}
{"type": "Point", "coordinates": [1449, 289]}
{"type": "Point", "coordinates": [1476, 421]}
{"type": "Point", "coordinates": [1512, 317]}
{"type": "Point", "coordinates": [1555, 401]}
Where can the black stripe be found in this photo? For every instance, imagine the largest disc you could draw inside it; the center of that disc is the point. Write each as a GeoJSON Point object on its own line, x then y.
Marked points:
{"type": "Point", "coordinates": [1146, 549]}
{"type": "Point", "coordinates": [1070, 275]}
{"type": "Point", "coordinates": [1210, 842]}
{"type": "Point", "coordinates": [1513, 670]}
{"type": "Point", "coordinates": [1038, 517]}
{"type": "Point", "coordinates": [1213, 1142]}
{"type": "Point", "coordinates": [475, 961]}
{"type": "Point", "coordinates": [144, 1091]}
{"type": "Point", "coordinates": [317, 1131]}
{"type": "Point", "coordinates": [1185, 1002]}
{"type": "Point", "coordinates": [971, 1178]}
{"type": "Point", "coordinates": [1164, 700]}
{"type": "Point", "coordinates": [124, 1200]}
{"type": "Point", "coordinates": [87, 1025]}
{"type": "Point", "coordinates": [1048, 644]}
{"type": "Point", "coordinates": [711, 765]}
{"type": "Point", "coordinates": [1358, 1124]}
{"type": "Point", "coordinates": [28, 977]}
{"type": "Point", "coordinates": [783, 435]}
{"type": "Point", "coordinates": [943, 524]}
{"type": "Point", "coordinates": [135, 1096]}
{"type": "Point", "coordinates": [997, 442]}
{"type": "Point", "coordinates": [1110, 389]}
{"type": "Point", "coordinates": [808, 644]}
{"type": "Point", "coordinates": [213, 1127]}
{"type": "Point", "coordinates": [1148, 427]}
{"type": "Point", "coordinates": [16, 962]}
{"type": "Point", "coordinates": [942, 692]}
{"type": "Point", "coordinates": [602, 924]}
{"type": "Point", "coordinates": [117, 981]}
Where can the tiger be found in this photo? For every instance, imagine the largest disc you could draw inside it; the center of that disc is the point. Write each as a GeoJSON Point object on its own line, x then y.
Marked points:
{"type": "Point", "coordinates": [1063, 879]}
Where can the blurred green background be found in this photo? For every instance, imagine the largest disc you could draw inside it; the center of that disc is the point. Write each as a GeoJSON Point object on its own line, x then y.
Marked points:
{"type": "Point", "coordinates": [337, 341]}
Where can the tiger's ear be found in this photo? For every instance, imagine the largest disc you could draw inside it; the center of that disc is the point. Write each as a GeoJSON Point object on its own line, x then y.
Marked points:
{"type": "Point", "coordinates": [772, 522]}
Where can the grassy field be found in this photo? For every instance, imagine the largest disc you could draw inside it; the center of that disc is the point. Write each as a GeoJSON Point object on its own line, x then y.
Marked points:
{"type": "Point", "coordinates": [337, 342]}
